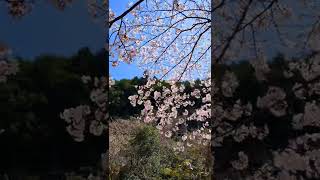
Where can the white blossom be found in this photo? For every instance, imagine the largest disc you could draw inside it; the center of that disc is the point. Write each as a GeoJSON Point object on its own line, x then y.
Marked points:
{"type": "Point", "coordinates": [274, 101]}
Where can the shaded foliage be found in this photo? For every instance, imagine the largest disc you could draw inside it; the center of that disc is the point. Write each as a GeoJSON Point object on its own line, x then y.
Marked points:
{"type": "Point", "coordinates": [34, 137]}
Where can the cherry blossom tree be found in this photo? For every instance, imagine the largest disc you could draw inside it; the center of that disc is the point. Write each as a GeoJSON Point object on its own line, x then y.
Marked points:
{"type": "Point", "coordinates": [163, 37]}
{"type": "Point", "coordinates": [254, 32]}
{"type": "Point", "coordinates": [92, 117]}
{"type": "Point", "coordinates": [170, 39]}
{"type": "Point", "coordinates": [177, 40]}
{"type": "Point", "coordinates": [278, 122]}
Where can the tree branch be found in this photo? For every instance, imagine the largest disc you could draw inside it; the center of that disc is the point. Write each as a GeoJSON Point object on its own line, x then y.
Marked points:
{"type": "Point", "coordinates": [125, 13]}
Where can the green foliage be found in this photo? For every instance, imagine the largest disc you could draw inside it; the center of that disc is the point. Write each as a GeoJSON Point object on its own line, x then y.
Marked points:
{"type": "Point", "coordinates": [119, 93]}
{"type": "Point", "coordinates": [148, 156]}
{"type": "Point", "coordinates": [190, 164]}
{"type": "Point", "coordinates": [143, 156]}
{"type": "Point", "coordinates": [146, 142]}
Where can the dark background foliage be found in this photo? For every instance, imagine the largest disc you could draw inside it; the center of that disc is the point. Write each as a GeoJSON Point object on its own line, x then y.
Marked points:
{"type": "Point", "coordinates": [35, 139]}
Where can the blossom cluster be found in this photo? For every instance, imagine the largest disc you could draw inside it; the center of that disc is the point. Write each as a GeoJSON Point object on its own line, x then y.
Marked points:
{"type": "Point", "coordinates": [168, 38]}
{"type": "Point", "coordinates": [169, 106]}
{"type": "Point", "coordinates": [92, 116]}
{"type": "Point", "coordinates": [292, 105]}
{"type": "Point", "coordinates": [236, 121]}
{"type": "Point", "coordinates": [7, 67]}
{"type": "Point", "coordinates": [18, 8]}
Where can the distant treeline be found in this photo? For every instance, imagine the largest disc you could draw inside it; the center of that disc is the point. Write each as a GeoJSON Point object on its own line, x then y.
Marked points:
{"type": "Point", "coordinates": [119, 103]}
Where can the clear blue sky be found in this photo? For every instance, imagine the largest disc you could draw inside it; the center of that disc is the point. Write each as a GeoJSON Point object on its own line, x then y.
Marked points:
{"type": "Point", "coordinates": [123, 70]}
{"type": "Point", "coordinates": [48, 30]}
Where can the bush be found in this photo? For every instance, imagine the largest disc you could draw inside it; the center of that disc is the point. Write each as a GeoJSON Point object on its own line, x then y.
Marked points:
{"type": "Point", "coordinates": [190, 164]}
{"type": "Point", "coordinates": [143, 156]}
{"type": "Point", "coordinates": [141, 153]}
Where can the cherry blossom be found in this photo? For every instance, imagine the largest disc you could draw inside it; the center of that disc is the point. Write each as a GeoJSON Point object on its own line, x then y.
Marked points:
{"type": "Point", "coordinates": [169, 39]}
{"type": "Point", "coordinates": [150, 38]}
{"type": "Point", "coordinates": [274, 101]}
{"type": "Point", "coordinates": [92, 116]}
{"type": "Point", "coordinates": [8, 67]}
{"type": "Point", "coordinates": [172, 108]}
{"type": "Point", "coordinates": [75, 117]}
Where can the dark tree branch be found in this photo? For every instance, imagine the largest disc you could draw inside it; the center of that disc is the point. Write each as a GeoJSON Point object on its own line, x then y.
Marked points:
{"type": "Point", "coordinates": [125, 13]}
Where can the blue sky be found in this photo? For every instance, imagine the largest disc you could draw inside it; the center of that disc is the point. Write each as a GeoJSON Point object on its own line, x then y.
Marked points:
{"type": "Point", "coordinates": [48, 30]}
{"type": "Point", "coordinates": [123, 70]}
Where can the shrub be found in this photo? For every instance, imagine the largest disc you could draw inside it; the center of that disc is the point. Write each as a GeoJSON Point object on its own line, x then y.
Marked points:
{"type": "Point", "coordinates": [143, 156]}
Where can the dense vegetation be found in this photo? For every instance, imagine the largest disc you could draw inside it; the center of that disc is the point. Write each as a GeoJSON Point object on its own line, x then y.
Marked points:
{"type": "Point", "coordinates": [279, 128]}
{"type": "Point", "coordinates": [137, 151]}
{"type": "Point", "coordinates": [35, 139]}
